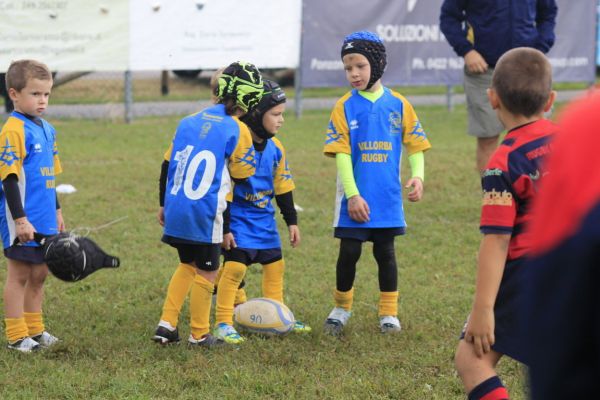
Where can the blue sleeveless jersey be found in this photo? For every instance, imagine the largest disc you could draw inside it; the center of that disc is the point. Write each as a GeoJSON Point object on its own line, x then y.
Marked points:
{"type": "Point", "coordinates": [373, 133]}
{"type": "Point", "coordinates": [252, 213]}
{"type": "Point", "coordinates": [207, 148]}
{"type": "Point", "coordinates": [30, 152]}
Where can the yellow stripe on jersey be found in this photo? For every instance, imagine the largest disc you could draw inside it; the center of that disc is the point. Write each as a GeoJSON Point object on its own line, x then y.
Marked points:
{"type": "Point", "coordinates": [13, 150]}
{"type": "Point", "coordinates": [413, 136]}
{"type": "Point", "coordinates": [242, 163]}
{"type": "Point", "coordinates": [282, 180]}
{"type": "Point", "coordinates": [168, 152]}
{"type": "Point", "coordinates": [57, 165]}
{"type": "Point", "coordinates": [338, 134]}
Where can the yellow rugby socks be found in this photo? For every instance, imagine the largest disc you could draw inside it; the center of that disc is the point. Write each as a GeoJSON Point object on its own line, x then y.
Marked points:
{"type": "Point", "coordinates": [272, 280]}
{"type": "Point", "coordinates": [16, 328]}
{"type": "Point", "coordinates": [343, 299]}
{"type": "Point", "coordinates": [231, 277]}
{"type": "Point", "coordinates": [179, 287]}
{"type": "Point", "coordinates": [388, 304]}
{"type": "Point", "coordinates": [200, 303]}
{"type": "Point", "coordinates": [35, 323]}
{"type": "Point", "coordinates": [240, 297]}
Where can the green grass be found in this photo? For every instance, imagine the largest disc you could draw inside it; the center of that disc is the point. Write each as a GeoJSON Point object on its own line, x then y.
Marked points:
{"type": "Point", "coordinates": [106, 321]}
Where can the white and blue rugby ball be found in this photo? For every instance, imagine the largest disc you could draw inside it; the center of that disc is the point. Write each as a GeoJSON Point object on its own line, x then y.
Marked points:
{"type": "Point", "coordinates": [264, 316]}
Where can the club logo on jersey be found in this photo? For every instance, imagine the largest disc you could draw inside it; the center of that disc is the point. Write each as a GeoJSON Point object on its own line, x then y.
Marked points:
{"type": "Point", "coordinates": [8, 156]}
{"type": "Point", "coordinates": [353, 124]}
{"type": "Point", "coordinates": [37, 148]}
{"type": "Point", "coordinates": [494, 198]}
{"type": "Point", "coordinates": [395, 119]}
{"type": "Point", "coordinates": [205, 128]}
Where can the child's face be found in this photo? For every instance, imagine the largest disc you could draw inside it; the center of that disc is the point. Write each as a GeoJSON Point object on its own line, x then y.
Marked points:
{"type": "Point", "coordinates": [33, 98]}
{"type": "Point", "coordinates": [273, 119]}
{"type": "Point", "coordinates": [358, 70]}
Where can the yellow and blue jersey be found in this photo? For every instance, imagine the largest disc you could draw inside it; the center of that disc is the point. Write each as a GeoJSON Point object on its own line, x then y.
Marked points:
{"type": "Point", "coordinates": [29, 151]}
{"type": "Point", "coordinates": [252, 213]}
{"type": "Point", "coordinates": [373, 133]}
{"type": "Point", "coordinates": [208, 148]}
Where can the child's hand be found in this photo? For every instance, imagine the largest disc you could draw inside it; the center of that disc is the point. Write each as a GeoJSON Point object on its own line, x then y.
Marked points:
{"type": "Point", "coordinates": [24, 229]}
{"type": "Point", "coordinates": [161, 216]}
{"type": "Point", "coordinates": [358, 208]}
{"type": "Point", "coordinates": [60, 221]}
{"type": "Point", "coordinates": [294, 235]}
{"type": "Point", "coordinates": [480, 331]}
{"type": "Point", "coordinates": [228, 241]}
{"type": "Point", "coordinates": [417, 189]}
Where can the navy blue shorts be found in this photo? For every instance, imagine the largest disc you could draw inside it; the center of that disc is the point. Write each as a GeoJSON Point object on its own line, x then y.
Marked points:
{"type": "Point", "coordinates": [368, 234]}
{"type": "Point", "coordinates": [27, 254]}
{"type": "Point", "coordinates": [506, 313]}
{"type": "Point", "coordinates": [253, 256]}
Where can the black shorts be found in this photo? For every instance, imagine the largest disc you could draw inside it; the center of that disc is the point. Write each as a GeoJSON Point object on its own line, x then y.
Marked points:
{"type": "Point", "coordinates": [204, 255]}
{"type": "Point", "coordinates": [253, 256]}
{"type": "Point", "coordinates": [27, 254]}
{"type": "Point", "coordinates": [506, 313]}
{"type": "Point", "coordinates": [368, 234]}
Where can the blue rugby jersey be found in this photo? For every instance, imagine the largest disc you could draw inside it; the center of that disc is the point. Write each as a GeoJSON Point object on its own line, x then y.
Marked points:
{"type": "Point", "coordinates": [373, 134]}
{"type": "Point", "coordinates": [510, 182]}
{"type": "Point", "coordinates": [30, 152]}
{"type": "Point", "coordinates": [206, 149]}
{"type": "Point", "coordinates": [252, 213]}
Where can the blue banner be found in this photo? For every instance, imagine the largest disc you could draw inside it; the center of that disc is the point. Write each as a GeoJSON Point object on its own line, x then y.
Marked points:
{"type": "Point", "coordinates": [418, 53]}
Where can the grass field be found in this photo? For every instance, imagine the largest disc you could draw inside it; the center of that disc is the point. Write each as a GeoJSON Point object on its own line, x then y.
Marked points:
{"type": "Point", "coordinates": [106, 321]}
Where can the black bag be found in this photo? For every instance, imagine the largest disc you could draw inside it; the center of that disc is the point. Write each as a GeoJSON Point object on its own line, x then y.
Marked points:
{"type": "Point", "coordinates": [71, 257]}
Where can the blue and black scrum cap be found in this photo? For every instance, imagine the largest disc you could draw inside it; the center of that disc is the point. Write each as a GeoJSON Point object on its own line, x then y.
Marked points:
{"type": "Point", "coordinates": [371, 46]}
{"type": "Point", "coordinates": [273, 95]}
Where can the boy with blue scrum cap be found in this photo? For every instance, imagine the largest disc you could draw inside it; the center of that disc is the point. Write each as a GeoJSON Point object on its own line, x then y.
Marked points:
{"type": "Point", "coordinates": [367, 130]}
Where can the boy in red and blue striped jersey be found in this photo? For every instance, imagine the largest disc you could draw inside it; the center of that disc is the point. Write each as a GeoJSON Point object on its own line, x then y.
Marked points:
{"type": "Point", "coordinates": [521, 93]}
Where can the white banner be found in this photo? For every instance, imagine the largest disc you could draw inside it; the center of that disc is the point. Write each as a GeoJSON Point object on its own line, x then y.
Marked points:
{"type": "Point", "coordinates": [115, 35]}
{"type": "Point", "coordinates": [82, 35]}
{"type": "Point", "coordinates": [185, 34]}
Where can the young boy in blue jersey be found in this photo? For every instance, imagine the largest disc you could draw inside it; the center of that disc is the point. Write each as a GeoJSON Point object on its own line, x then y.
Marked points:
{"type": "Point", "coordinates": [368, 127]}
{"type": "Point", "coordinates": [208, 149]}
{"type": "Point", "coordinates": [28, 165]}
{"type": "Point", "coordinates": [251, 235]}
{"type": "Point", "coordinates": [521, 93]}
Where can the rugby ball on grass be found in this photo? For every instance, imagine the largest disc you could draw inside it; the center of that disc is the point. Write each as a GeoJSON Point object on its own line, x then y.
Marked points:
{"type": "Point", "coordinates": [264, 316]}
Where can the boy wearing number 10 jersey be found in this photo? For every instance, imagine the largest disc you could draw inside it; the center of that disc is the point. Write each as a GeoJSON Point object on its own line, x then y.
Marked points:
{"type": "Point", "coordinates": [208, 149]}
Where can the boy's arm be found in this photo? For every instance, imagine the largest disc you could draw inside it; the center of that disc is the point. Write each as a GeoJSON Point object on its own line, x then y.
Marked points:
{"type": "Point", "coordinates": [285, 202]}
{"type": "Point", "coordinates": [417, 167]}
{"type": "Point", "coordinates": [358, 209]}
{"type": "Point", "coordinates": [23, 228]}
{"type": "Point", "coordinates": [162, 188]}
{"type": "Point", "coordinates": [490, 268]}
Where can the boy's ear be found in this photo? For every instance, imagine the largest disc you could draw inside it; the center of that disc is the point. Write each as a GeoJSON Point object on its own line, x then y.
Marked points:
{"type": "Point", "coordinates": [12, 93]}
{"type": "Point", "coordinates": [493, 98]}
{"type": "Point", "coordinates": [550, 101]}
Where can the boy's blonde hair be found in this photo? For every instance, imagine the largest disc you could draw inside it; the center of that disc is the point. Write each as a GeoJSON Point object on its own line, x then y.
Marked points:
{"type": "Point", "coordinates": [214, 84]}
{"type": "Point", "coordinates": [523, 81]}
{"type": "Point", "coordinates": [21, 71]}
